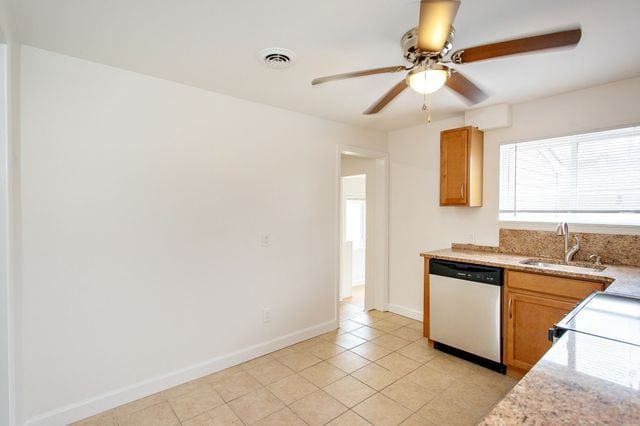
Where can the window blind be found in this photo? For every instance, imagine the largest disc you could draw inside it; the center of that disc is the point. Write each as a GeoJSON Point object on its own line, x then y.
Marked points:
{"type": "Point", "coordinates": [589, 178]}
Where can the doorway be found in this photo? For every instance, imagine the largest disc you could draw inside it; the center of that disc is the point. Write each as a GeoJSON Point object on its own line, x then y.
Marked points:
{"type": "Point", "coordinates": [353, 220]}
{"type": "Point", "coordinates": [363, 239]}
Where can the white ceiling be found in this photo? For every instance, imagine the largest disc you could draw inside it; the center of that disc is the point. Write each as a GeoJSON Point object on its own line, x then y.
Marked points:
{"type": "Point", "coordinates": [212, 44]}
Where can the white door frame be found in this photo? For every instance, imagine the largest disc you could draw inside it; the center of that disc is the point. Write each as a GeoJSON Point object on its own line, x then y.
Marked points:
{"type": "Point", "coordinates": [7, 324]}
{"type": "Point", "coordinates": [379, 285]}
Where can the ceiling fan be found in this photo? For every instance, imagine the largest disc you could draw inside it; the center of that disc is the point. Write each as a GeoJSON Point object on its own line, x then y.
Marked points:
{"type": "Point", "coordinates": [426, 47]}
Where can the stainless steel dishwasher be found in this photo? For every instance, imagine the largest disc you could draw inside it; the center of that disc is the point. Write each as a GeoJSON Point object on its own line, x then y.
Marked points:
{"type": "Point", "coordinates": [464, 311]}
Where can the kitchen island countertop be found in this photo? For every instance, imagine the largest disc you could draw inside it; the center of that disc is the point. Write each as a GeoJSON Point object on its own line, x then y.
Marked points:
{"type": "Point", "coordinates": [582, 379]}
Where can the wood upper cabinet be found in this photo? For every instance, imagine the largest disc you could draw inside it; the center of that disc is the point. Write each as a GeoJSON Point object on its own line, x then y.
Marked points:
{"type": "Point", "coordinates": [532, 304]}
{"type": "Point", "coordinates": [461, 167]}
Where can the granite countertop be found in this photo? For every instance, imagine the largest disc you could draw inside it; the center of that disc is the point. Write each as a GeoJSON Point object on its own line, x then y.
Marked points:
{"type": "Point", "coordinates": [580, 380]}
{"type": "Point", "coordinates": [619, 279]}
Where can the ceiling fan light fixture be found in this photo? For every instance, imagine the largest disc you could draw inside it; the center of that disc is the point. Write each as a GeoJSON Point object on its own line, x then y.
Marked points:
{"type": "Point", "coordinates": [429, 80]}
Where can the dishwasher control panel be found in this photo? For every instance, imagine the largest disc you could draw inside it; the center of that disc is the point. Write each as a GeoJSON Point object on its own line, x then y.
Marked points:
{"type": "Point", "coordinates": [466, 271]}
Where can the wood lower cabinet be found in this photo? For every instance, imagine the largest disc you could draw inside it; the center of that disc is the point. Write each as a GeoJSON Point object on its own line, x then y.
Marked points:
{"type": "Point", "coordinates": [528, 319]}
{"type": "Point", "coordinates": [425, 305]}
{"type": "Point", "coordinates": [532, 304]}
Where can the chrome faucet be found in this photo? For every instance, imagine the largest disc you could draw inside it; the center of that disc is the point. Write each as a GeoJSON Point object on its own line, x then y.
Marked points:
{"type": "Point", "coordinates": [563, 231]}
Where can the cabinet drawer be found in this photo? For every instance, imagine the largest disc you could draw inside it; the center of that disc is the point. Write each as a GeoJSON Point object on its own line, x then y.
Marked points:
{"type": "Point", "coordinates": [555, 286]}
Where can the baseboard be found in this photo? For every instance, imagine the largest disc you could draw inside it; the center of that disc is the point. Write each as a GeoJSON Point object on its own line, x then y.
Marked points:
{"type": "Point", "coordinates": [92, 406]}
{"type": "Point", "coordinates": [401, 310]}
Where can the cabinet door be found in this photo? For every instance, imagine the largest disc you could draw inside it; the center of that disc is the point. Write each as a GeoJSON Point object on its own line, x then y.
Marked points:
{"type": "Point", "coordinates": [528, 318]}
{"type": "Point", "coordinates": [454, 167]}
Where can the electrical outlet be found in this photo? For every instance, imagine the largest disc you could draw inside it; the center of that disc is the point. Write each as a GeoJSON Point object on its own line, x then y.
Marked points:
{"type": "Point", "coordinates": [266, 315]}
{"type": "Point", "coordinates": [265, 240]}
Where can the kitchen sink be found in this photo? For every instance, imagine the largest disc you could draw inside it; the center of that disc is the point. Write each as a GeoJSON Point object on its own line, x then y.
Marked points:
{"type": "Point", "coordinates": [558, 265]}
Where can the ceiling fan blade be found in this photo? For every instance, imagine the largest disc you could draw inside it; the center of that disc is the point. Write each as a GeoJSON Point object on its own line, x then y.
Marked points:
{"type": "Point", "coordinates": [463, 86]}
{"type": "Point", "coordinates": [362, 73]}
{"type": "Point", "coordinates": [388, 97]}
{"type": "Point", "coordinates": [436, 17]}
{"type": "Point", "coordinates": [520, 45]}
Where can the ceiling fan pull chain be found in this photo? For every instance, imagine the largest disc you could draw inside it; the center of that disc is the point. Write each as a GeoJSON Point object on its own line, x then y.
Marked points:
{"type": "Point", "coordinates": [425, 108]}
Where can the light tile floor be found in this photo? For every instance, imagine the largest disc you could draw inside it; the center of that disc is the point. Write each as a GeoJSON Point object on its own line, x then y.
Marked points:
{"type": "Point", "coordinates": [375, 369]}
{"type": "Point", "coordinates": [350, 310]}
{"type": "Point", "coordinates": [357, 296]}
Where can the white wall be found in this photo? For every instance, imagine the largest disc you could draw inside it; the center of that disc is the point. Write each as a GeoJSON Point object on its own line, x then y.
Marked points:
{"type": "Point", "coordinates": [142, 205]}
{"type": "Point", "coordinates": [354, 186]}
{"type": "Point", "coordinates": [417, 223]}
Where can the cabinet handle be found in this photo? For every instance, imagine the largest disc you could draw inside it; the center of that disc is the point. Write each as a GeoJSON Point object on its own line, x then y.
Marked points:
{"type": "Point", "coordinates": [509, 308]}
{"type": "Point", "coordinates": [462, 190]}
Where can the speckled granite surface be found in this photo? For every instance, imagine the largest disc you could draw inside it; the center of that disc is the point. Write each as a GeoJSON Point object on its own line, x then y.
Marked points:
{"type": "Point", "coordinates": [581, 380]}
{"type": "Point", "coordinates": [615, 249]}
{"type": "Point", "coordinates": [475, 247]}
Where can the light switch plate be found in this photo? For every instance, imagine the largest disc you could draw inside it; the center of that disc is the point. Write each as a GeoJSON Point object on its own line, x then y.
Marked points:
{"type": "Point", "coordinates": [265, 240]}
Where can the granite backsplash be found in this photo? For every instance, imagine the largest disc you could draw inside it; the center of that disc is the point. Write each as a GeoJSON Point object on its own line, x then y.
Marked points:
{"type": "Point", "coordinates": [614, 249]}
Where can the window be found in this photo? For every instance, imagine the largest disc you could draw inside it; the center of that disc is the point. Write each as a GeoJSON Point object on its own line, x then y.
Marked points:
{"type": "Point", "coordinates": [590, 178]}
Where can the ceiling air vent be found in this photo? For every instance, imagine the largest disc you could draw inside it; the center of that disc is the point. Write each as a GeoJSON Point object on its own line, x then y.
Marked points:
{"type": "Point", "coordinates": [277, 58]}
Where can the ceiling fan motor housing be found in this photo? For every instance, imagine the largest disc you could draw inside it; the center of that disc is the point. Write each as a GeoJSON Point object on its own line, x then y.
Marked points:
{"type": "Point", "coordinates": [411, 53]}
